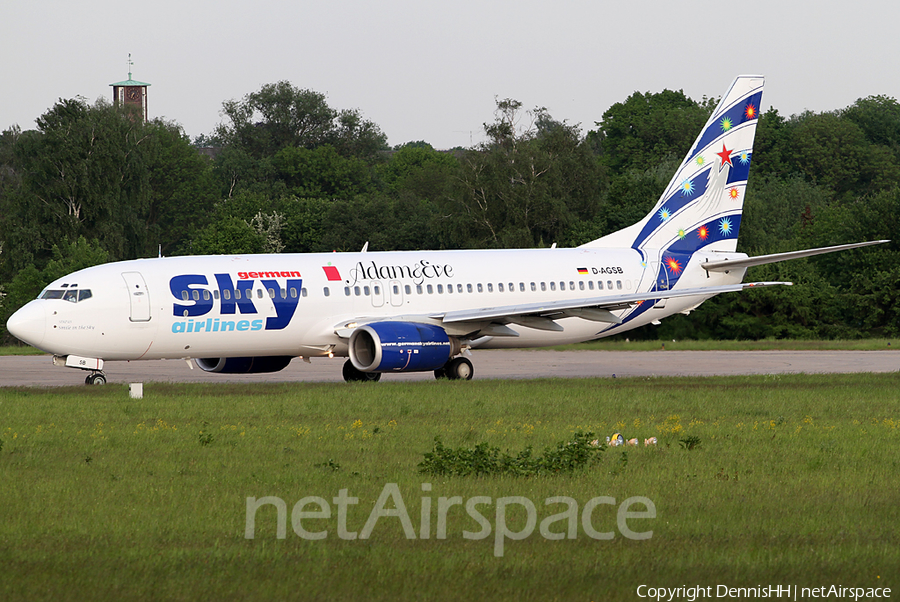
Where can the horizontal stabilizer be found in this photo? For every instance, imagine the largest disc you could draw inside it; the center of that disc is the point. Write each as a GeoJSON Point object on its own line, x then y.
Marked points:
{"type": "Point", "coordinates": [731, 264]}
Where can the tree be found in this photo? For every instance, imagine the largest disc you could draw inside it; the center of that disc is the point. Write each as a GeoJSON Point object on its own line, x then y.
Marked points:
{"type": "Point", "coordinates": [99, 172]}
{"type": "Point", "coordinates": [280, 115]}
{"type": "Point", "coordinates": [527, 183]}
{"type": "Point", "coordinates": [65, 257]}
{"type": "Point", "coordinates": [648, 128]}
{"type": "Point", "coordinates": [228, 236]}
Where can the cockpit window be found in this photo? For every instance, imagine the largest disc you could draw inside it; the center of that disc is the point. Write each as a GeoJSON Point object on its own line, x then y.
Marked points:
{"type": "Point", "coordinates": [71, 295]}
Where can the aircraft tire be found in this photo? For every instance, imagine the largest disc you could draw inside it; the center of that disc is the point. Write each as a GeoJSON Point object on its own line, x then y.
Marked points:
{"type": "Point", "coordinates": [95, 379]}
{"type": "Point", "coordinates": [459, 368]}
{"type": "Point", "coordinates": [351, 374]}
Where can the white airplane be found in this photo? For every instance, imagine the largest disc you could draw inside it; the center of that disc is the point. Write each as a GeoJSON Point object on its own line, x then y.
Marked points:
{"type": "Point", "coordinates": [407, 311]}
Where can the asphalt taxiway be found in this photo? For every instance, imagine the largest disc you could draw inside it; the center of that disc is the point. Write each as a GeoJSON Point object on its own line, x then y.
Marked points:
{"type": "Point", "coordinates": [489, 364]}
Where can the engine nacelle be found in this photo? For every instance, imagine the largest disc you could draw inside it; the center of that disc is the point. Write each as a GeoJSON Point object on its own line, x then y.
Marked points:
{"type": "Point", "coordinates": [244, 365]}
{"type": "Point", "coordinates": [400, 347]}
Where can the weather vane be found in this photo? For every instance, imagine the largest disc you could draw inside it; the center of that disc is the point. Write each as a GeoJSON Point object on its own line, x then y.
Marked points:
{"type": "Point", "coordinates": [130, 63]}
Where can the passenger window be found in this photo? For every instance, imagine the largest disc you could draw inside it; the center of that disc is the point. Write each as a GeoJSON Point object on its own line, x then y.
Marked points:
{"type": "Point", "coordinates": [499, 287]}
{"type": "Point", "coordinates": [271, 293]}
{"type": "Point", "coordinates": [430, 289]}
{"type": "Point", "coordinates": [237, 293]}
{"type": "Point", "coordinates": [533, 287]}
{"type": "Point", "coordinates": [562, 286]}
{"type": "Point", "coordinates": [609, 284]}
{"type": "Point", "coordinates": [85, 294]}
{"type": "Point", "coordinates": [450, 288]}
{"type": "Point", "coordinates": [552, 286]}
{"type": "Point", "coordinates": [480, 288]}
{"type": "Point", "coordinates": [377, 290]}
{"type": "Point", "coordinates": [543, 286]}
{"type": "Point", "coordinates": [303, 292]}
{"type": "Point", "coordinates": [469, 288]}
{"type": "Point", "coordinates": [511, 287]}
{"type": "Point", "coordinates": [407, 289]}
{"type": "Point", "coordinates": [356, 291]}
{"type": "Point", "coordinates": [346, 291]}
{"type": "Point", "coordinates": [205, 295]}
{"type": "Point", "coordinates": [440, 288]}
{"type": "Point", "coordinates": [184, 295]}
{"type": "Point", "coordinates": [216, 294]}
{"type": "Point", "coordinates": [581, 285]}
{"type": "Point", "coordinates": [458, 288]}
{"type": "Point", "coordinates": [396, 289]}
{"type": "Point", "coordinates": [572, 285]}
{"type": "Point", "coordinates": [326, 291]}
{"type": "Point", "coordinates": [294, 292]}
{"type": "Point", "coordinates": [591, 284]}
{"type": "Point", "coordinates": [619, 284]}
{"type": "Point", "coordinates": [259, 293]}
{"type": "Point", "coordinates": [226, 294]}
{"type": "Point", "coordinates": [490, 287]}
{"type": "Point", "coordinates": [599, 285]}
{"type": "Point", "coordinates": [196, 295]}
{"type": "Point", "coordinates": [284, 293]}
{"type": "Point", "coordinates": [522, 287]}
{"type": "Point", "coordinates": [366, 291]}
{"type": "Point", "coordinates": [418, 289]}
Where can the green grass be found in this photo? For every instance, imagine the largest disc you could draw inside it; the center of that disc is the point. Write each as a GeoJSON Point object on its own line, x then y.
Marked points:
{"type": "Point", "coordinates": [619, 344]}
{"type": "Point", "coordinates": [794, 481]}
{"type": "Point", "coordinates": [20, 350]}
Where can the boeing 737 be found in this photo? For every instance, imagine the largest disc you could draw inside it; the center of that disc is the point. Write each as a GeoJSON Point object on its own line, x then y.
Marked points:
{"type": "Point", "coordinates": [405, 311]}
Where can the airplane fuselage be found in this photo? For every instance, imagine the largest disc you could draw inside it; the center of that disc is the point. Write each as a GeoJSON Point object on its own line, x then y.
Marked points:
{"type": "Point", "coordinates": [296, 304]}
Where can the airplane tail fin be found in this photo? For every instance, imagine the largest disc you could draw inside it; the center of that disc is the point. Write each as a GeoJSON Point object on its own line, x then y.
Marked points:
{"type": "Point", "coordinates": [701, 207]}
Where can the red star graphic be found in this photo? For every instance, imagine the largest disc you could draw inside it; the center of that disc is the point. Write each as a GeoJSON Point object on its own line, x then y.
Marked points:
{"type": "Point", "coordinates": [725, 155]}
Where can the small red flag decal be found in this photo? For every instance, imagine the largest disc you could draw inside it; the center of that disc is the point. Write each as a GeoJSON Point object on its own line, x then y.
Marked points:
{"type": "Point", "coordinates": [331, 272]}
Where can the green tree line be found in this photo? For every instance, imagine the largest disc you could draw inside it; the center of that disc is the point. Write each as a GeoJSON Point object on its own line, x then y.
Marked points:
{"type": "Point", "coordinates": [286, 173]}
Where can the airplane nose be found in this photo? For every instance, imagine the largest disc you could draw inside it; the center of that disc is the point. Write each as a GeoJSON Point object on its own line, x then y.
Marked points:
{"type": "Point", "coordinates": [29, 324]}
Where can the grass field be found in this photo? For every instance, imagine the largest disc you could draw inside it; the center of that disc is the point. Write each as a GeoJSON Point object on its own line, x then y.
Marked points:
{"type": "Point", "coordinates": [788, 480]}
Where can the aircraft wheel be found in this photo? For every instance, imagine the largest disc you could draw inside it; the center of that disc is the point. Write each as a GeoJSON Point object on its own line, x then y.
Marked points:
{"type": "Point", "coordinates": [95, 379]}
{"type": "Point", "coordinates": [441, 372]}
{"type": "Point", "coordinates": [459, 368]}
{"type": "Point", "coordinates": [351, 374]}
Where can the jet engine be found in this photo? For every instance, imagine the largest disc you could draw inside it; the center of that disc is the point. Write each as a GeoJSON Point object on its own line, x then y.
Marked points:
{"type": "Point", "coordinates": [244, 365]}
{"type": "Point", "coordinates": [401, 347]}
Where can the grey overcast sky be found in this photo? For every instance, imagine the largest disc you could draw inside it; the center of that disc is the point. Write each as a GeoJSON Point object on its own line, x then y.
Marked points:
{"type": "Point", "coordinates": [425, 70]}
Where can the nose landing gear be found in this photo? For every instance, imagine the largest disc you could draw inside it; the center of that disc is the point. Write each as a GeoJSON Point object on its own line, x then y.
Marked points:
{"type": "Point", "coordinates": [95, 378]}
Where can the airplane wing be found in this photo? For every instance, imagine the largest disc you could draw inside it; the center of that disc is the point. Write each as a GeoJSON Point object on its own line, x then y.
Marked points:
{"type": "Point", "coordinates": [575, 306]}
{"type": "Point", "coordinates": [730, 264]}
{"type": "Point", "coordinates": [490, 320]}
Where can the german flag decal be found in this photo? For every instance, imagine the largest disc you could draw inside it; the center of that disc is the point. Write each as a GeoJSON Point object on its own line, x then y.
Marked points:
{"type": "Point", "coordinates": [582, 270]}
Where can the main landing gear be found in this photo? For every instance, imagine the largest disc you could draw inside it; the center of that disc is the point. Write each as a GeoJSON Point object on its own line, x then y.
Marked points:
{"type": "Point", "coordinates": [95, 378]}
{"type": "Point", "coordinates": [459, 368]}
{"type": "Point", "coordinates": [352, 374]}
